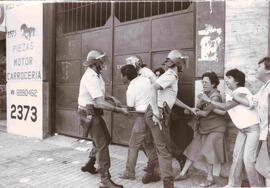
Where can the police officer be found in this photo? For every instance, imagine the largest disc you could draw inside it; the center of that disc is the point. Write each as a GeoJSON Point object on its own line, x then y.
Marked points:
{"type": "Point", "coordinates": [164, 93]}
{"type": "Point", "coordinates": [138, 97]}
{"type": "Point", "coordinates": [92, 102]}
{"type": "Point", "coordinates": [141, 68]}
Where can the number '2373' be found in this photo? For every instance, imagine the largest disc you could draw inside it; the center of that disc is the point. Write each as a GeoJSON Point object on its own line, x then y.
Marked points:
{"type": "Point", "coordinates": [21, 112]}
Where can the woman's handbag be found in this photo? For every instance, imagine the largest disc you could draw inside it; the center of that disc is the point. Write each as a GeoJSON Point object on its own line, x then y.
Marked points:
{"type": "Point", "coordinates": [263, 161]}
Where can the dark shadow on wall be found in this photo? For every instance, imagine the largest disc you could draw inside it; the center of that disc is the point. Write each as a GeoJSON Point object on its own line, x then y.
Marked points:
{"type": "Point", "coordinates": [3, 79]}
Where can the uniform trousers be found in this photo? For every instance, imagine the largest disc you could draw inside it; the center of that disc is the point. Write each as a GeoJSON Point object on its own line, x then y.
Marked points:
{"type": "Point", "coordinates": [101, 139]}
{"type": "Point", "coordinates": [139, 138]}
{"type": "Point", "coordinates": [164, 154]}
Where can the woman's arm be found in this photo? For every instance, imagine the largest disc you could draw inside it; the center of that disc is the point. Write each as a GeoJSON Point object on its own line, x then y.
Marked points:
{"type": "Point", "coordinates": [223, 106]}
{"type": "Point", "coordinates": [219, 111]}
{"type": "Point", "coordinates": [179, 103]}
{"type": "Point", "coordinates": [241, 98]}
{"type": "Point", "coordinates": [211, 108]}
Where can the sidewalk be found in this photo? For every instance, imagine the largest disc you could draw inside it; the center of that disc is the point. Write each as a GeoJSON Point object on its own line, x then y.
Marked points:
{"type": "Point", "coordinates": [55, 162]}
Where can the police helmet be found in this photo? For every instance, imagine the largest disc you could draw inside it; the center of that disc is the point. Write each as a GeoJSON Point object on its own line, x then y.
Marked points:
{"type": "Point", "coordinates": [175, 58]}
{"type": "Point", "coordinates": [134, 60]}
{"type": "Point", "coordinates": [93, 57]}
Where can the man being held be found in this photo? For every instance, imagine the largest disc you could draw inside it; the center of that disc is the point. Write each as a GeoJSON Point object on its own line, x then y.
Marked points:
{"type": "Point", "coordinates": [138, 98]}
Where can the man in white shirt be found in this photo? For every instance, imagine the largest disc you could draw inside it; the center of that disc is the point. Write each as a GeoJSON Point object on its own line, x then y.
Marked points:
{"type": "Point", "coordinates": [138, 97]}
{"type": "Point", "coordinates": [260, 99]}
{"type": "Point", "coordinates": [92, 102]}
{"type": "Point", "coordinates": [164, 93]}
{"type": "Point", "coordinates": [143, 71]}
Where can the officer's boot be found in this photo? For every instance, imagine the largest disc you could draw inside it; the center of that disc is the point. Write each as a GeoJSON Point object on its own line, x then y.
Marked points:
{"type": "Point", "coordinates": [152, 172]}
{"type": "Point", "coordinates": [106, 181]}
{"type": "Point", "coordinates": [148, 167]}
{"type": "Point", "coordinates": [181, 160]}
{"type": "Point", "coordinates": [168, 182]}
{"type": "Point", "coordinates": [89, 166]}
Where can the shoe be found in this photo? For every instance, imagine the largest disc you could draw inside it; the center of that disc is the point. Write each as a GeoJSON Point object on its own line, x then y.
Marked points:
{"type": "Point", "coordinates": [227, 186]}
{"type": "Point", "coordinates": [168, 183]}
{"type": "Point", "coordinates": [150, 177]}
{"type": "Point", "coordinates": [108, 183]}
{"type": "Point", "coordinates": [180, 177]}
{"type": "Point", "coordinates": [207, 183]}
{"type": "Point", "coordinates": [181, 160]}
{"type": "Point", "coordinates": [151, 165]}
{"type": "Point", "coordinates": [145, 168]}
{"type": "Point", "coordinates": [245, 183]}
{"type": "Point", "coordinates": [126, 176]}
{"type": "Point", "coordinates": [89, 166]}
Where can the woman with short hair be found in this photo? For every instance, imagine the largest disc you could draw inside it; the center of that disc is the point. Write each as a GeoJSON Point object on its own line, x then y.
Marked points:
{"type": "Point", "coordinates": [208, 143]}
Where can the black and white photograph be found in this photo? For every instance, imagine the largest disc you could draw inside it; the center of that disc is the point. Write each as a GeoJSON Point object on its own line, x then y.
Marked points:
{"type": "Point", "coordinates": [134, 93]}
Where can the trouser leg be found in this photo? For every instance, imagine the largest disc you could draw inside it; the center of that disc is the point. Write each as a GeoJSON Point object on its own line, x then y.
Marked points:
{"type": "Point", "coordinates": [149, 146]}
{"type": "Point", "coordinates": [235, 176]}
{"type": "Point", "coordinates": [164, 156]}
{"type": "Point", "coordinates": [137, 140]}
{"type": "Point", "coordinates": [135, 143]}
{"type": "Point", "coordinates": [101, 138]}
{"type": "Point", "coordinates": [85, 123]}
{"type": "Point", "coordinates": [93, 151]}
{"type": "Point", "coordinates": [250, 152]}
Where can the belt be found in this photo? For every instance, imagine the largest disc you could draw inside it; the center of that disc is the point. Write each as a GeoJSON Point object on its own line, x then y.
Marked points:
{"type": "Point", "coordinates": [82, 107]}
{"type": "Point", "coordinates": [91, 110]}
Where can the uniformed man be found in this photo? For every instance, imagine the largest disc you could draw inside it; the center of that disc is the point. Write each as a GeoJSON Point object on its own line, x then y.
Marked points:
{"type": "Point", "coordinates": [91, 105]}
{"type": "Point", "coordinates": [138, 97]}
{"type": "Point", "coordinates": [141, 68]}
{"type": "Point", "coordinates": [164, 95]}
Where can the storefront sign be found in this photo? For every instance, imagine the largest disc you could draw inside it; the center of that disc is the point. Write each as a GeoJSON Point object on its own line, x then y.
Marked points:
{"type": "Point", "coordinates": [24, 39]}
{"type": "Point", "coordinates": [24, 111]}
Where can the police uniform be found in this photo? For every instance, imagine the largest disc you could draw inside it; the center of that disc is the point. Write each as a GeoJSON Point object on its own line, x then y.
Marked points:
{"type": "Point", "coordinates": [148, 73]}
{"type": "Point", "coordinates": [166, 97]}
{"type": "Point", "coordinates": [92, 86]}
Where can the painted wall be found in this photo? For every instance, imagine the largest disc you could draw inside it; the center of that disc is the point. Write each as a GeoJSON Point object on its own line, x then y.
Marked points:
{"type": "Point", "coordinates": [246, 42]}
{"type": "Point", "coordinates": [210, 34]}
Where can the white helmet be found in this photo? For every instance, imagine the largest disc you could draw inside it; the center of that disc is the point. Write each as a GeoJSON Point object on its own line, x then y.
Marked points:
{"type": "Point", "coordinates": [94, 55]}
{"type": "Point", "coordinates": [134, 60]}
{"type": "Point", "coordinates": [175, 58]}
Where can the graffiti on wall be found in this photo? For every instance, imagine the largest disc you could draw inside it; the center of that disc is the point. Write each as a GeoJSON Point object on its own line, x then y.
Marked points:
{"type": "Point", "coordinates": [209, 43]}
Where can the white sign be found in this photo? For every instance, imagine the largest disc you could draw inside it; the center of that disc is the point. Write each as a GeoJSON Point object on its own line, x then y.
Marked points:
{"type": "Point", "coordinates": [24, 38]}
{"type": "Point", "coordinates": [209, 43]}
{"type": "Point", "coordinates": [24, 108]}
{"type": "Point", "coordinates": [24, 42]}
{"type": "Point", "coordinates": [2, 18]}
